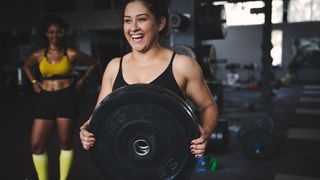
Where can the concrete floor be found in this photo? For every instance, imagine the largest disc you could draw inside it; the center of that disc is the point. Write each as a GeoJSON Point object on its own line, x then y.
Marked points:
{"type": "Point", "coordinates": [297, 136]}
{"type": "Point", "coordinates": [294, 110]}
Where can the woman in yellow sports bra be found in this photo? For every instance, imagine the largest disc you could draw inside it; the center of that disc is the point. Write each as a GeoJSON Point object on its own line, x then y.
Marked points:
{"type": "Point", "coordinates": [57, 98]}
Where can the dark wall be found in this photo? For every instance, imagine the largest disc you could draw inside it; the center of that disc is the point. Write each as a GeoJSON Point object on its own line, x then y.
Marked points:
{"type": "Point", "coordinates": [17, 15]}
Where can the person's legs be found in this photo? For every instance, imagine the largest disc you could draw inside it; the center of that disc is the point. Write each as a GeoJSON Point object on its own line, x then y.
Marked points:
{"type": "Point", "coordinates": [67, 112]}
{"type": "Point", "coordinates": [41, 132]}
{"type": "Point", "coordinates": [65, 132]}
{"type": "Point", "coordinates": [40, 162]}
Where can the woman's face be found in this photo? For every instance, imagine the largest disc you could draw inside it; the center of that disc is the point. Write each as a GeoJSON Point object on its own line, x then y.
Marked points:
{"type": "Point", "coordinates": [140, 26]}
{"type": "Point", "coordinates": [55, 34]}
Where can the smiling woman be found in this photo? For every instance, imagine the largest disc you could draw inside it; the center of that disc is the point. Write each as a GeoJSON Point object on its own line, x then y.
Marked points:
{"type": "Point", "coordinates": [139, 22]}
{"type": "Point", "coordinates": [150, 63]}
{"type": "Point", "coordinates": [56, 93]}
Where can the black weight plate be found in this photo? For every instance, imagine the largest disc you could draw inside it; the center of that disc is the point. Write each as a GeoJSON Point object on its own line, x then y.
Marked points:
{"type": "Point", "coordinates": [143, 132]}
{"type": "Point", "coordinates": [257, 121]}
{"type": "Point", "coordinates": [258, 145]}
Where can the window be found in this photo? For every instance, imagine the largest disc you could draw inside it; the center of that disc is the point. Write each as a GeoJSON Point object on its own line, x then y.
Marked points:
{"type": "Point", "coordinates": [276, 51]}
{"type": "Point", "coordinates": [309, 12]}
{"type": "Point", "coordinates": [239, 13]}
{"type": "Point", "coordinates": [277, 11]}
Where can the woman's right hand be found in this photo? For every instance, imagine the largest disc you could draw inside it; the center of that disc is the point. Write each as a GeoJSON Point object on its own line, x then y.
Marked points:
{"type": "Point", "coordinates": [87, 138]}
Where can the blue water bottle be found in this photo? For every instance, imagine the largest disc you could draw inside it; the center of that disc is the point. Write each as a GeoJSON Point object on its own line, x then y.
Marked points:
{"type": "Point", "coordinates": [201, 167]}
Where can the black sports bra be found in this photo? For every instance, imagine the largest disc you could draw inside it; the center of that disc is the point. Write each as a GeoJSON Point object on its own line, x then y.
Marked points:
{"type": "Point", "coordinates": [166, 80]}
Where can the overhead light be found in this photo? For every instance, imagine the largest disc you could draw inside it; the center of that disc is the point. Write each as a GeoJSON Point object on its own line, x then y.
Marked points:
{"type": "Point", "coordinates": [217, 3]}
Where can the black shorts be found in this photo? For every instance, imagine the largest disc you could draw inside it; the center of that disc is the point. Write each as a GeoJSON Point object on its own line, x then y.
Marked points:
{"type": "Point", "coordinates": [57, 104]}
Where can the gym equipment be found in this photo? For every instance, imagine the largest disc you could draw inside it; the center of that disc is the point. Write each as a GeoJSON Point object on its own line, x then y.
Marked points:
{"type": "Point", "coordinates": [233, 66]}
{"type": "Point", "coordinates": [208, 60]}
{"type": "Point", "coordinates": [143, 132]}
{"type": "Point", "coordinates": [212, 22]}
{"type": "Point", "coordinates": [252, 68]}
{"type": "Point", "coordinates": [258, 145]}
{"type": "Point", "coordinates": [257, 121]}
{"type": "Point", "coordinates": [219, 139]}
{"type": "Point", "coordinates": [179, 21]}
{"type": "Point", "coordinates": [185, 50]}
{"type": "Point", "coordinates": [257, 138]}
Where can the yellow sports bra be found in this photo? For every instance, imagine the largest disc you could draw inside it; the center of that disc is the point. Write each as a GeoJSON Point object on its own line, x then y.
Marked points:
{"type": "Point", "coordinates": [62, 68]}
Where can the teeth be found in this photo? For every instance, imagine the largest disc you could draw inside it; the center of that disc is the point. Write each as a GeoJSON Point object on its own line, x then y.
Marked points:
{"type": "Point", "coordinates": [136, 36]}
{"type": "Point", "coordinates": [136, 39]}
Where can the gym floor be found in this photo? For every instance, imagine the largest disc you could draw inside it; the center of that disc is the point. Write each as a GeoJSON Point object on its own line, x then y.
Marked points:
{"type": "Point", "coordinates": [294, 110]}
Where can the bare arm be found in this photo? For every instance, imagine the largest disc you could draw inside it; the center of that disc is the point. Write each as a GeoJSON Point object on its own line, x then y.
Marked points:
{"type": "Point", "coordinates": [29, 63]}
{"type": "Point", "coordinates": [199, 93]}
{"type": "Point", "coordinates": [83, 58]}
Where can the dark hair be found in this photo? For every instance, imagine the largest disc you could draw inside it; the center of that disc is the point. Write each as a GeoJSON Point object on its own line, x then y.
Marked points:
{"type": "Point", "coordinates": [159, 8]}
{"type": "Point", "coordinates": [46, 22]}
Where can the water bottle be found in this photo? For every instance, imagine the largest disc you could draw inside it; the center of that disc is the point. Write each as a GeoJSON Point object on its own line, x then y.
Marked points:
{"type": "Point", "coordinates": [201, 167]}
{"type": "Point", "coordinates": [213, 163]}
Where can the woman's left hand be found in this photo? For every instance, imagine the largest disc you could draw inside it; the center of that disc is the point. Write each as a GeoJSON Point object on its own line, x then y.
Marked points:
{"type": "Point", "coordinates": [80, 84]}
{"type": "Point", "coordinates": [198, 146]}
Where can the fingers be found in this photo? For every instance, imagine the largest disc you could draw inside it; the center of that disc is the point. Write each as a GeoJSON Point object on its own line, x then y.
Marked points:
{"type": "Point", "coordinates": [37, 87]}
{"type": "Point", "coordinates": [198, 152]}
{"type": "Point", "coordinates": [79, 84]}
{"type": "Point", "coordinates": [200, 140]}
{"type": "Point", "coordinates": [198, 147]}
{"type": "Point", "coordinates": [87, 139]}
{"type": "Point", "coordinates": [40, 85]}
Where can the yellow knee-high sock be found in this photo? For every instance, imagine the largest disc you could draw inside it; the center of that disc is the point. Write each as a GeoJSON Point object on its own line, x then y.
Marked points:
{"type": "Point", "coordinates": [66, 157]}
{"type": "Point", "coordinates": [41, 164]}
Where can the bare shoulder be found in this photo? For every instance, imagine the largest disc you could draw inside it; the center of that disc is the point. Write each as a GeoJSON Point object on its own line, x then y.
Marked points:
{"type": "Point", "coordinates": [39, 51]}
{"type": "Point", "coordinates": [72, 52]}
{"type": "Point", "coordinates": [112, 67]}
{"type": "Point", "coordinates": [37, 54]}
{"type": "Point", "coordinates": [185, 64]}
{"type": "Point", "coordinates": [114, 63]}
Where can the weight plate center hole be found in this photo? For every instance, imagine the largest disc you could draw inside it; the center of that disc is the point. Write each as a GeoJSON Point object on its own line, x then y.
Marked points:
{"type": "Point", "coordinates": [141, 147]}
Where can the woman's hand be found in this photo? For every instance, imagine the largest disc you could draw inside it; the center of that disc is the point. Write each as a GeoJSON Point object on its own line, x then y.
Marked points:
{"type": "Point", "coordinates": [37, 87]}
{"type": "Point", "coordinates": [80, 84]}
{"type": "Point", "coordinates": [87, 138]}
{"type": "Point", "coordinates": [198, 146]}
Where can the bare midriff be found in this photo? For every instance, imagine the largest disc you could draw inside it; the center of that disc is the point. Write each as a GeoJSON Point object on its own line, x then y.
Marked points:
{"type": "Point", "coordinates": [57, 84]}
